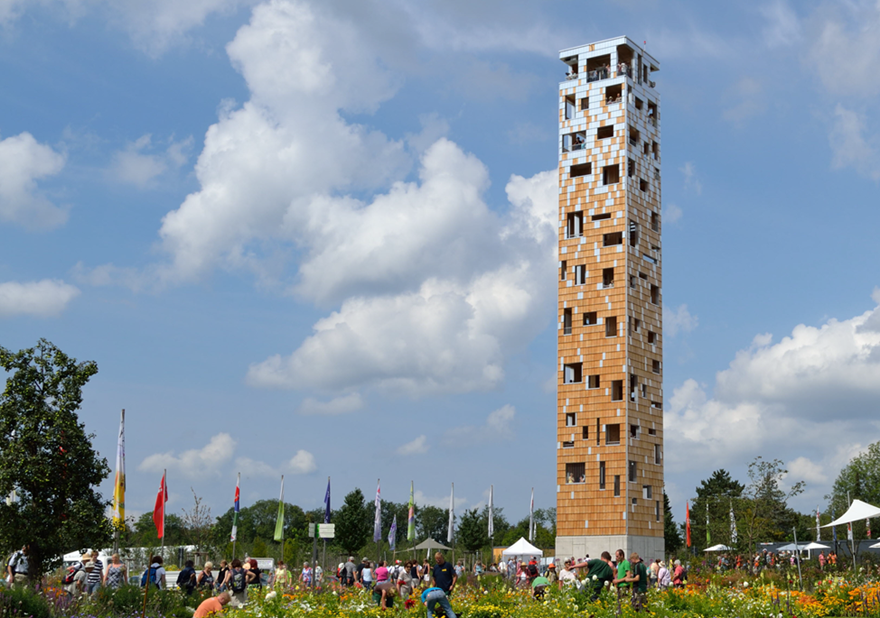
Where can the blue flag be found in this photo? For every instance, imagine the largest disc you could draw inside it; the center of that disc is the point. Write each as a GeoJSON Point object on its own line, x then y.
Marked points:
{"type": "Point", "coordinates": [392, 535]}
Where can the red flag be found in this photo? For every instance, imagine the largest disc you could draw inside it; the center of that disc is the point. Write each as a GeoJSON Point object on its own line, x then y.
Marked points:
{"type": "Point", "coordinates": [159, 509]}
{"type": "Point", "coordinates": [687, 522]}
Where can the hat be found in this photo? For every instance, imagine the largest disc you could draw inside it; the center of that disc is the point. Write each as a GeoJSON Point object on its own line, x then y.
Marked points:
{"type": "Point", "coordinates": [88, 564]}
{"type": "Point", "coordinates": [551, 566]}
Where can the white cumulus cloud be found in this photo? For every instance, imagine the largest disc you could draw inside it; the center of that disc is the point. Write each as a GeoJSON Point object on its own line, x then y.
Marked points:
{"type": "Point", "coordinates": [138, 166]}
{"type": "Point", "coordinates": [194, 462]}
{"type": "Point", "coordinates": [46, 298]}
{"type": "Point", "coordinates": [24, 161]}
{"type": "Point", "coordinates": [497, 428]}
{"type": "Point", "coordinates": [416, 447]}
{"type": "Point", "coordinates": [302, 463]}
{"type": "Point", "coordinates": [339, 405]}
{"type": "Point", "coordinates": [678, 320]}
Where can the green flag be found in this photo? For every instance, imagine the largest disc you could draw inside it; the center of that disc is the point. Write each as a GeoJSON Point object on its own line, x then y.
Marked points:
{"type": "Point", "coordinates": [411, 517]}
{"type": "Point", "coordinates": [708, 534]}
{"type": "Point", "coordinates": [279, 523]}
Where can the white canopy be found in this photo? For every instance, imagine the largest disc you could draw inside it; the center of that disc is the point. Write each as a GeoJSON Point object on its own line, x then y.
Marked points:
{"type": "Point", "coordinates": [874, 546]}
{"type": "Point", "coordinates": [815, 545]}
{"type": "Point", "coordinates": [522, 548]}
{"type": "Point", "coordinates": [857, 510]}
{"type": "Point", "coordinates": [790, 547]}
{"type": "Point", "coordinates": [717, 548]}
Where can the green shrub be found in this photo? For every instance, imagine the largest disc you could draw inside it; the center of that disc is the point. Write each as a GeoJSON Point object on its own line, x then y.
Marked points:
{"type": "Point", "coordinates": [21, 602]}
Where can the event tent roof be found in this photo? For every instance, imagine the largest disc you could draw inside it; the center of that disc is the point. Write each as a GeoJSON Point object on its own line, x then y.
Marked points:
{"type": "Point", "coordinates": [857, 510]}
{"type": "Point", "coordinates": [717, 548]}
{"type": "Point", "coordinates": [430, 544]}
{"type": "Point", "coordinates": [522, 548]}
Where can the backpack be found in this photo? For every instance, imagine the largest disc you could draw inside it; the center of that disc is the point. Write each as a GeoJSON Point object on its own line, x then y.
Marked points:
{"type": "Point", "coordinates": [152, 572]}
{"type": "Point", "coordinates": [68, 579]}
{"type": "Point", "coordinates": [238, 580]}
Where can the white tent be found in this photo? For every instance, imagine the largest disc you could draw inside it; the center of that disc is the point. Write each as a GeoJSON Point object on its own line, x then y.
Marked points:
{"type": "Point", "coordinates": [815, 545]}
{"type": "Point", "coordinates": [522, 548]}
{"type": "Point", "coordinates": [717, 548]}
{"type": "Point", "coordinates": [858, 510]}
{"type": "Point", "coordinates": [874, 546]}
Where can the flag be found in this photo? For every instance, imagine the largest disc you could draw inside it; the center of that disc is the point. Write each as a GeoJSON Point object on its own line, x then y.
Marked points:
{"type": "Point", "coordinates": [327, 503]}
{"type": "Point", "coordinates": [392, 534]}
{"type": "Point", "coordinates": [450, 532]}
{"type": "Point", "coordinates": [119, 483]}
{"type": "Point", "coordinates": [491, 511]}
{"type": "Point", "coordinates": [818, 533]}
{"type": "Point", "coordinates": [849, 534]}
{"type": "Point", "coordinates": [159, 509]}
{"type": "Point", "coordinates": [708, 533]}
{"type": "Point", "coordinates": [235, 510]}
{"type": "Point", "coordinates": [411, 517]}
{"type": "Point", "coordinates": [377, 519]}
{"type": "Point", "coordinates": [532, 517]}
{"type": "Point", "coordinates": [868, 527]}
{"type": "Point", "coordinates": [687, 522]}
{"type": "Point", "coordinates": [733, 535]}
{"type": "Point", "coordinates": [833, 528]}
{"type": "Point", "coordinates": [279, 521]}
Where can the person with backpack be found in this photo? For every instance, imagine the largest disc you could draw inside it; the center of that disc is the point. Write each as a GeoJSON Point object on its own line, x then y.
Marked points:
{"type": "Point", "coordinates": [236, 583]}
{"type": "Point", "coordinates": [186, 579]}
{"type": "Point", "coordinates": [155, 574]}
{"type": "Point", "coordinates": [17, 567]}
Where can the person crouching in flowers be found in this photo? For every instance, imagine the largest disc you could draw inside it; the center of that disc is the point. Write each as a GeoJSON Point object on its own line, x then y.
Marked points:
{"type": "Point", "coordinates": [599, 573]}
{"type": "Point", "coordinates": [435, 596]}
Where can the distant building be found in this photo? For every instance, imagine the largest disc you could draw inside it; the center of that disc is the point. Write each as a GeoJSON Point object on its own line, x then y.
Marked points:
{"type": "Point", "coordinates": [610, 343]}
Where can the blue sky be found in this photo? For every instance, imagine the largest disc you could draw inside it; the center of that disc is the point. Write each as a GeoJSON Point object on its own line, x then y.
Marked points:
{"type": "Point", "coordinates": [318, 238]}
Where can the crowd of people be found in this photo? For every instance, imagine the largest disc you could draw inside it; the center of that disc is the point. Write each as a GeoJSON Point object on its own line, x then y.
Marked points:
{"type": "Point", "coordinates": [770, 559]}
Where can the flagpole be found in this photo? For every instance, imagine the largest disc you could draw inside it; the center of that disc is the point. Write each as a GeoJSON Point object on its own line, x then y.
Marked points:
{"type": "Point", "coordinates": [235, 514]}
{"type": "Point", "coordinates": [119, 486]}
{"type": "Point", "coordinates": [165, 491]}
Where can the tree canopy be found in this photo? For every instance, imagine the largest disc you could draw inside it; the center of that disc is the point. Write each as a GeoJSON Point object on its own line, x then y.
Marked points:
{"type": "Point", "coordinates": [858, 480]}
{"type": "Point", "coordinates": [47, 458]}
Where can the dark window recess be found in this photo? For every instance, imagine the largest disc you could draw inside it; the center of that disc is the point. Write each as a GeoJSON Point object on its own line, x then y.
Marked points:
{"type": "Point", "coordinates": [611, 327]}
{"type": "Point", "coordinates": [655, 150]}
{"type": "Point", "coordinates": [655, 294]}
{"type": "Point", "coordinates": [590, 318]}
{"type": "Point", "coordinates": [566, 321]}
{"type": "Point", "coordinates": [569, 107]}
{"type": "Point", "coordinates": [633, 386]}
{"type": "Point", "coordinates": [658, 454]}
{"type": "Point", "coordinates": [643, 185]}
{"type": "Point", "coordinates": [657, 509]}
{"type": "Point", "coordinates": [574, 473]}
{"type": "Point", "coordinates": [597, 432]}
{"type": "Point", "coordinates": [644, 390]}
{"type": "Point", "coordinates": [586, 433]}
{"type": "Point", "coordinates": [655, 222]}
{"type": "Point", "coordinates": [601, 475]}
{"type": "Point", "coordinates": [652, 112]}
{"type": "Point", "coordinates": [633, 431]}
{"type": "Point", "coordinates": [570, 419]}
{"type": "Point", "coordinates": [574, 141]}
{"type": "Point", "coordinates": [652, 336]}
{"type": "Point", "coordinates": [608, 277]}
{"type": "Point", "coordinates": [632, 281]}
{"type": "Point", "coordinates": [585, 104]}
{"type": "Point", "coordinates": [616, 485]}
{"type": "Point", "coordinates": [610, 174]}
{"type": "Point", "coordinates": [643, 276]}
{"type": "Point", "coordinates": [563, 268]}
{"type": "Point", "coordinates": [612, 434]}
{"type": "Point", "coordinates": [605, 132]}
{"type": "Point", "coordinates": [633, 472]}
{"type": "Point", "coordinates": [580, 274]}
{"type": "Point", "coordinates": [655, 366]}
{"type": "Point", "coordinates": [581, 169]}
{"type": "Point", "coordinates": [568, 444]}
{"type": "Point", "coordinates": [574, 224]}
{"type": "Point", "coordinates": [572, 373]}
{"type": "Point", "coordinates": [633, 233]}
{"type": "Point", "coordinates": [647, 492]}
{"type": "Point", "coordinates": [602, 217]}
{"type": "Point", "coordinates": [652, 432]}
{"type": "Point", "coordinates": [614, 238]}
{"type": "Point", "coordinates": [617, 390]}
{"type": "Point", "coordinates": [657, 404]}
{"type": "Point", "coordinates": [635, 324]}
{"type": "Point", "coordinates": [630, 168]}
{"type": "Point", "coordinates": [613, 94]}
{"type": "Point", "coordinates": [639, 103]}
{"type": "Point", "coordinates": [593, 381]}
{"type": "Point", "coordinates": [634, 136]}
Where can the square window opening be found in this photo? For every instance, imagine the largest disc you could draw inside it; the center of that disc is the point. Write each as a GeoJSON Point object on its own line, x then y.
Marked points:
{"type": "Point", "coordinates": [655, 366]}
{"type": "Point", "coordinates": [574, 473]}
{"type": "Point", "coordinates": [610, 174]}
{"type": "Point", "coordinates": [605, 132]}
{"type": "Point", "coordinates": [614, 94]}
{"type": "Point", "coordinates": [647, 492]}
{"type": "Point", "coordinates": [585, 104]}
{"type": "Point", "coordinates": [652, 337]}
{"type": "Point", "coordinates": [574, 141]}
{"type": "Point", "coordinates": [639, 103]}
{"type": "Point", "coordinates": [593, 382]}
{"type": "Point", "coordinates": [570, 419]}
{"type": "Point", "coordinates": [643, 185]}
{"type": "Point", "coordinates": [572, 373]}
{"type": "Point", "coordinates": [611, 327]}
{"type": "Point", "coordinates": [590, 318]}
{"type": "Point", "coordinates": [652, 432]}
{"type": "Point", "coordinates": [633, 431]}
{"type": "Point", "coordinates": [598, 68]}
{"type": "Point", "coordinates": [612, 434]}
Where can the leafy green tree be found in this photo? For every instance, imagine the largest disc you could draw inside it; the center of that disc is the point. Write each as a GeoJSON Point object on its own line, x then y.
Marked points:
{"type": "Point", "coordinates": [144, 533]}
{"type": "Point", "coordinates": [671, 535]}
{"type": "Point", "coordinates": [472, 531]}
{"type": "Point", "coordinates": [763, 512]}
{"type": "Point", "coordinates": [432, 522]}
{"type": "Point", "coordinates": [47, 458]}
{"type": "Point", "coordinates": [715, 498]}
{"type": "Point", "coordinates": [354, 522]}
{"type": "Point", "coordinates": [858, 480]}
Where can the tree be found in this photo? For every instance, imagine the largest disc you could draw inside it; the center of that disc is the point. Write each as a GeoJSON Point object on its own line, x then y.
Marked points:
{"type": "Point", "coordinates": [858, 480]}
{"type": "Point", "coordinates": [198, 523]}
{"type": "Point", "coordinates": [47, 458]}
{"type": "Point", "coordinates": [763, 511]}
{"type": "Point", "coordinates": [715, 498]}
{"type": "Point", "coordinates": [472, 531]}
{"type": "Point", "coordinates": [432, 522]}
{"type": "Point", "coordinates": [671, 535]}
{"type": "Point", "coordinates": [354, 522]}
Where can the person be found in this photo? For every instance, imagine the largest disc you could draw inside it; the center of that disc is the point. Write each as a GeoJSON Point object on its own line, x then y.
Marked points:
{"type": "Point", "coordinates": [306, 576]}
{"type": "Point", "coordinates": [348, 572]}
{"type": "Point", "coordinates": [221, 575]}
{"type": "Point", "coordinates": [382, 573]}
{"type": "Point", "coordinates": [678, 574]}
{"type": "Point", "coordinates": [624, 571]}
{"type": "Point", "coordinates": [186, 579]}
{"type": "Point", "coordinates": [255, 578]}
{"type": "Point", "coordinates": [478, 568]}
{"type": "Point", "coordinates": [17, 567]}
{"type": "Point", "coordinates": [426, 574]}
{"type": "Point", "coordinates": [236, 582]}
{"type": "Point", "coordinates": [319, 576]}
{"type": "Point", "coordinates": [599, 571]}
{"type": "Point", "coordinates": [281, 580]}
{"type": "Point", "coordinates": [212, 605]}
{"type": "Point", "coordinates": [551, 575]}
{"type": "Point", "coordinates": [116, 574]}
{"type": "Point", "coordinates": [434, 596]}
{"type": "Point", "coordinates": [366, 575]}
{"type": "Point", "coordinates": [822, 560]}
{"type": "Point", "coordinates": [155, 574]}
{"type": "Point", "coordinates": [443, 574]}
{"type": "Point", "coordinates": [655, 569]}
{"type": "Point", "coordinates": [205, 579]}
{"type": "Point", "coordinates": [81, 579]}
{"type": "Point", "coordinates": [639, 581]}
{"type": "Point", "coordinates": [459, 569]}
{"type": "Point", "coordinates": [502, 568]}
{"type": "Point", "coordinates": [384, 592]}
{"type": "Point", "coordinates": [97, 574]}
{"type": "Point", "coordinates": [405, 580]}
{"type": "Point", "coordinates": [664, 579]}
{"type": "Point", "coordinates": [566, 575]}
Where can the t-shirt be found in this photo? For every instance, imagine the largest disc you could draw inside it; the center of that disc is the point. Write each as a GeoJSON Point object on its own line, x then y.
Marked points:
{"type": "Point", "coordinates": [389, 588]}
{"type": "Point", "coordinates": [95, 576]}
{"type": "Point", "coordinates": [602, 571]}
{"type": "Point", "coordinates": [367, 575]}
{"type": "Point", "coordinates": [381, 574]}
{"type": "Point", "coordinates": [642, 571]}
{"type": "Point", "coordinates": [622, 567]}
{"type": "Point", "coordinates": [443, 576]}
{"type": "Point", "coordinates": [429, 591]}
{"type": "Point", "coordinates": [208, 607]}
{"type": "Point", "coordinates": [79, 581]}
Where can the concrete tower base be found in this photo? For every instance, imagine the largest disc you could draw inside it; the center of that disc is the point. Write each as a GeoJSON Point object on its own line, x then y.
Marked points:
{"type": "Point", "coordinates": [648, 547]}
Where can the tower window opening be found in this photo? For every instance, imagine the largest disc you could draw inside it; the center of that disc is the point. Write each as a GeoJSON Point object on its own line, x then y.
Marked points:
{"type": "Point", "coordinates": [652, 337]}
{"type": "Point", "coordinates": [655, 366]}
{"type": "Point", "coordinates": [658, 454]}
{"type": "Point", "coordinates": [610, 174]}
{"type": "Point", "coordinates": [655, 222]}
{"type": "Point", "coordinates": [633, 233]}
{"type": "Point", "coordinates": [566, 321]}
{"type": "Point", "coordinates": [581, 169]}
{"type": "Point", "coordinates": [643, 185]}
{"type": "Point", "coordinates": [580, 274]}
{"type": "Point", "coordinates": [569, 107]}
{"type": "Point", "coordinates": [570, 419]}
{"type": "Point", "coordinates": [585, 104]}
{"type": "Point", "coordinates": [563, 269]}
{"type": "Point", "coordinates": [633, 387]}
{"type": "Point", "coordinates": [645, 394]}
{"type": "Point", "coordinates": [602, 217]}
{"type": "Point", "coordinates": [585, 433]}
{"type": "Point", "coordinates": [574, 473]}
{"type": "Point", "coordinates": [652, 111]}
{"type": "Point", "coordinates": [612, 434]}
{"type": "Point", "coordinates": [611, 327]}
{"type": "Point", "coordinates": [614, 238]}
{"type": "Point", "coordinates": [655, 150]}
{"type": "Point", "coordinates": [614, 94]}
{"type": "Point", "coordinates": [633, 472]}
{"type": "Point", "coordinates": [633, 431]}
{"type": "Point", "coordinates": [568, 444]}
{"type": "Point", "coordinates": [574, 141]}
{"type": "Point", "coordinates": [639, 103]}
{"type": "Point", "coordinates": [652, 432]}
{"type": "Point", "coordinates": [590, 318]}
{"type": "Point", "coordinates": [657, 404]}
{"type": "Point", "coordinates": [574, 225]}
{"type": "Point", "coordinates": [593, 381]}
{"type": "Point", "coordinates": [607, 278]}
{"type": "Point", "coordinates": [572, 373]}
{"type": "Point", "coordinates": [617, 390]}
{"type": "Point", "coordinates": [634, 136]}
{"type": "Point", "coordinates": [647, 492]}
{"type": "Point", "coordinates": [601, 475]}
{"type": "Point", "coordinates": [616, 485]}
{"type": "Point", "coordinates": [605, 132]}
{"type": "Point", "coordinates": [657, 509]}
{"type": "Point", "coordinates": [655, 294]}
{"type": "Point", "coordinates": [646, 149]}
{"type": "Point", "coordinates": [630, 168]}
{"type": "Point", "coordinates": [597, 68]}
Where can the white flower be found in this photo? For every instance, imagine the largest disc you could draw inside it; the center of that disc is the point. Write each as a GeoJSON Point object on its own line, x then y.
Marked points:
{"type": "Point", "coordinates": [595, 578]}
{"type": "Point", "coordinates": [607, 583]}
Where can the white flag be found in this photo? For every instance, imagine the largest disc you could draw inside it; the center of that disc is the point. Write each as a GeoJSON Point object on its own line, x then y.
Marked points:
{"type": "Point", "coordinates": [491, 512]}
{"type": "Point", "coordinates": [733, 535]}
{"type": "Point", "coordinates": [532, 517]}
{"type": "Point", "coordinates": [450, 533]}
